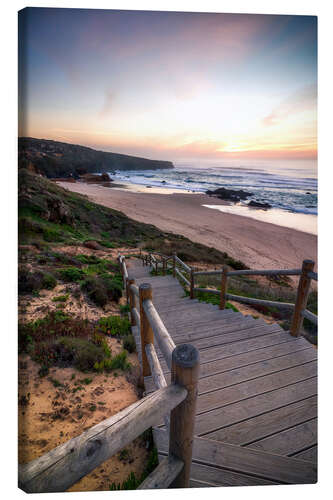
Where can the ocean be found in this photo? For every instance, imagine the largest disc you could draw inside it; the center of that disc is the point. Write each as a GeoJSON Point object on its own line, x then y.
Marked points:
{"type": "Point", "coordinates": [290, 188]}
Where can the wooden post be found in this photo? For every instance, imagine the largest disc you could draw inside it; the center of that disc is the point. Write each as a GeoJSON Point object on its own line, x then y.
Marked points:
{"type": "Point", "coordinates": [192, 285]}
{"type": "Point", "coordinates": [174, 264]}
{"type": "Point", "coordinates": [147, 334]}
{"type": "Point", "coordinates": [156, 266]}
{"type": "Point", "coordinates": [302, 298]}
{"type": "Point", "coordinates": [164, 267]}
{"type": "Point", "coordinates": [223, 287]}
{"type": "Point", "coordinates": [131, 281]}
{"type": "Point", "coordinates": [185, 372]}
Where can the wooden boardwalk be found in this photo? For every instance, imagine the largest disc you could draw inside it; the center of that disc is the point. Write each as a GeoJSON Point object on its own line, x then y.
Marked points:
{"type": "Point", "coordinates": [256, 419]}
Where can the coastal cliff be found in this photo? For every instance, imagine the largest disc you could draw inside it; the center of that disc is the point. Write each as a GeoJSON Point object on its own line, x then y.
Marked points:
{"type": "Point", "coordinates": [60, 159]}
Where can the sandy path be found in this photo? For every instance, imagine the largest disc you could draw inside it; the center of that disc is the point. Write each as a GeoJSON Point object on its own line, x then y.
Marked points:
{"type": "Point", "coordinates": [258, 244]}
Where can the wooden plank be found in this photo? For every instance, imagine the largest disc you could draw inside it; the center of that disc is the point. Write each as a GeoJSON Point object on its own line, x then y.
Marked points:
{"type": "Point", "coordinates": [218, 328]}
{"type": "Point", "coordinates": [234, 336]}
{"type": "Point", "coordinates": [289, 441]}
{"type": "Point", "coordinates": [268, 423]}
{"type": "Point", "coordinates": [244, 359]}
{"type": "Point", "coordinates": [217, 419]}
{"type": "Point", "coordinates": [63, 466]}
{"type": "Point", "coordinates": [260, 464]}
{"type": "Point", "coordinates": [164, 474]}
{"type": "Point", "coordinates": [249, 372]}
{"type": "Point", "coordinates": [244, 390]}
{"type": "Point", "coordinates": [218, 353]}
{"type": "Point", "coordinates": [178, 308]}
{"type": "Point", "coordinates": [256, 370]}
{"type": "Point", "coordinates": [208, 315]}
{"type": "Point", "coordinates": [309, 455]}
{"type": "Point", "coordinates": [207, 476]}
{"type": "Point", "coordinates": [209, 319]}
{"type": "Point", "coordinates": [238, 360]}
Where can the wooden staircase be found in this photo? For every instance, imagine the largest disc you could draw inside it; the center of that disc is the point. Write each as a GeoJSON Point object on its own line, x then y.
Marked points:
{"type": "Point", "coordinates": [256, 417]}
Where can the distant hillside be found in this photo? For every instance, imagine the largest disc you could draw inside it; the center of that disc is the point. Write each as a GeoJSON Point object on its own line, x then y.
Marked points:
{"type": "Point", "coordinates": [59, 159]}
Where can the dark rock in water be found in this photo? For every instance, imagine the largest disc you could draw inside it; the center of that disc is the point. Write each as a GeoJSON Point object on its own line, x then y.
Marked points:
{"type": "Point", "coordinates": [148, 186]}
{"type": "Point", "coordinates": [163, 182]}
{"type": "Point", "coordinates": [258, 204]}
{"type": "Point", "coordinates": [229, 194]}
{"type": "Point", "coordinates": [307, 192]}
{"type": "Point", "coordinates": [106, 178]}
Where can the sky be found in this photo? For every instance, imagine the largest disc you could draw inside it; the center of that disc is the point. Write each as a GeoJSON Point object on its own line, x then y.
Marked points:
{"type": "Point", "coordinates": [170, 85]}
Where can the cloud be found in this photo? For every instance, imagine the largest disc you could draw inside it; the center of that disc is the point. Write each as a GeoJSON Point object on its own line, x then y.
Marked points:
{"type": "Point", "coordinates": [304, 100]}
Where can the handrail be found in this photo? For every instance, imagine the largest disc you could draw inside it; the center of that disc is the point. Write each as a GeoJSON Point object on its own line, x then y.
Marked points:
{"type": "Point", "coordinates": [306, 274]}
{"type": "Point", "coordinates": [310, 316]}
{"type": "Point", "coordinates": [266, 272]}
{"type": "Point", "coordinates": [208, 273]}
{"type": "Point", "coordinates": [63, 466]}
{"type": "Point", "coordinates": [155, 365]}
{"type": "Point", "coordinates": [207, 290]}
{"type": "Point", "coordinates": [157, 374]}
{"type": "Point", "coordinates": [185, 266]}
{"type": "Point", "coordinates": [164, 340]}
{"type": "Point", "coordinates": [262, 302]}
{"type": "Point", "coordinates": [252, 272]}
{"type": "Point", "coordinates": [136, 316]}
{"type": "Point", "coordinates": [164, 474]}
{"type": "Point", "coordinates": [182, 277]}
{"type": "Point", "coordinates": [313, 275]}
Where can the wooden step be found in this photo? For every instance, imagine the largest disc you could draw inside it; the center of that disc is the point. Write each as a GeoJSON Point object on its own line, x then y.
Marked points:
{"type": "Point", "coordinates": [256, 464]}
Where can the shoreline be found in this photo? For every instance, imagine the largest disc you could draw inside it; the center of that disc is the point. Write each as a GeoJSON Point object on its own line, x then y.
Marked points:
{"type": "Point", "coordinates": [258, 244]}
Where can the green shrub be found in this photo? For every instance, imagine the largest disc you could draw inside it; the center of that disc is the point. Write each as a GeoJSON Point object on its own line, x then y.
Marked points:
{"type": "Point", "coordinates": [71, 274]}
{"type": "Point", "coordinates": [48, 281]}
{"type": "Point", "coordinates": [129, 343]}
{"type": "Point", "coordinates": [118, 362]}
{"type": "Point", "coordinates": [124, 309]}
{"type": "Point", "coordinates": [67, 351]}
{"type": "Point", "coordinates": [29, 282]}
{"type": "Point", "coordinates": [61, 298]}
{"type": "Point", "coordinates": [101, 289]}
{"type": "Point", "coordinates": [54, 324]}
{"type": "Point", "coordinates": [114, 325]}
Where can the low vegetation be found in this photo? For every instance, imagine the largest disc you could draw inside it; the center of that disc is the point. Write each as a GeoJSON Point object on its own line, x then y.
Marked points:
{"type": "Point", "coordinates": [49, 215]}
{"type": "Point", "coordinates": [61, 340]}
{"type": "Point", "coordinates": [132, 481]}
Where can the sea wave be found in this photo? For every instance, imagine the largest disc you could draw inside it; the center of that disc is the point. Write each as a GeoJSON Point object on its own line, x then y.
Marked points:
{"type": "Point", "coordinates": [295, 191]}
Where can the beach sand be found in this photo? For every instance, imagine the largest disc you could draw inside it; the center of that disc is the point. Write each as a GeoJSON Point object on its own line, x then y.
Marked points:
{"type": "Point", "coordinates": [260, 245]}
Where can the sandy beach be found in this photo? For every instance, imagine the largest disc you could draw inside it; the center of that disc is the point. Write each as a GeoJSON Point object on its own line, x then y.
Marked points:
{"type": "Point", "coordinates": [258, 244]}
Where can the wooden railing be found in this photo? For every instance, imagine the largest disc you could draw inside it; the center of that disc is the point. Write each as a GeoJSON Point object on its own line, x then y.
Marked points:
{"type": "Point", "coordinates": [63, 466]}
{"type": "Point", "coordinates": [300, 312]}
{"type": "Point", "coordinates": [183, 361]}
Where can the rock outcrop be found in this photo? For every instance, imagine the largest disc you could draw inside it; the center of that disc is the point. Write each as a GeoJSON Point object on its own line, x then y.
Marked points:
{"type": "Point", "coordinates": [258, 204]}
{"type": "Point", "coordinates": [229, 194]}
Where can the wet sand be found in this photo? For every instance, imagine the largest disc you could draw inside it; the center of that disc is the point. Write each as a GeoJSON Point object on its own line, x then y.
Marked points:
{"type": "Point", "coordinates": [258, 244]}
